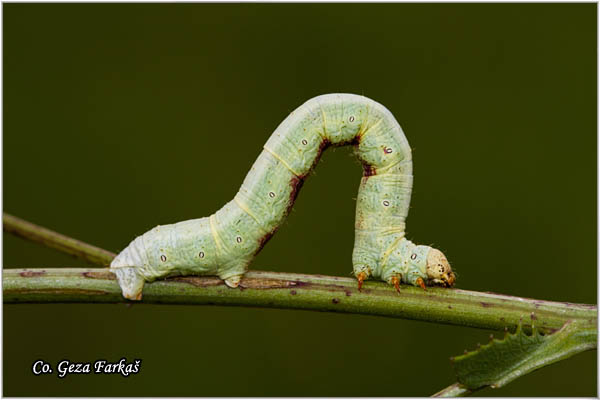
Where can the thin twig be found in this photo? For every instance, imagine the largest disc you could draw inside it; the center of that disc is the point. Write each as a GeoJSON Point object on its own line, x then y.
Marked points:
{"type": "Point", "coordinates": [283, 290]}
{"type": "Point", "coordinates": [454, 390]}
{"type": "Point", "coordinates": [49, 238]}
{"type": "Point", "coordinates": [299, 291]}
{"type": "Point", "coordinates": [279, 290]}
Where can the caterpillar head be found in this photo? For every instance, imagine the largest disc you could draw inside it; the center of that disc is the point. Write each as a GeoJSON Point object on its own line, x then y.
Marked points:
{"type": "Point", "coordinates": [438, 269]}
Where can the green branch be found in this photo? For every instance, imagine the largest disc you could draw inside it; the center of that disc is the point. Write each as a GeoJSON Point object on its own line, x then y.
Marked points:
{"type": "Point", "coordinates": [38, 234]}
{"type": "Point", "coordinates": [299, 291]}
{"type": "Point", "coordinates": [455, 390]}
{"type": "Point", "coordinates": [279, 290]}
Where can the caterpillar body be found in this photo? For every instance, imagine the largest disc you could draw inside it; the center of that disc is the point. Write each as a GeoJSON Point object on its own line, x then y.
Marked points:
{"type": "Point", "coordinates": [225, 243]}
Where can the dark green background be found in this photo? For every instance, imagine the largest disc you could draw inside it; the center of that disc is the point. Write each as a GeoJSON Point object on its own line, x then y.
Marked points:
{"type": "Point", "coordinates": [121, 117]}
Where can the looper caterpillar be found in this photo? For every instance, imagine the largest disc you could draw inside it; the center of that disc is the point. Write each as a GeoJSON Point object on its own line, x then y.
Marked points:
{"type": "Point", "coordinates": [225, 243]}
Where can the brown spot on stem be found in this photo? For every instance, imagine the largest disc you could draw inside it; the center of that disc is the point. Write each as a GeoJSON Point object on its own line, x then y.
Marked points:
{"type": "Point", "coordinates": [205, 281]}
{"type": "Point", "coordinates": [99, 275]}
{"type": "Point", "coordinates": [56, 291]}
{"type": "Point", "coordinates": [262, 283]}
{"type": "Point", "coordinates": [533, 316]}
{"type": "Point", "coordinates": [29, 274]}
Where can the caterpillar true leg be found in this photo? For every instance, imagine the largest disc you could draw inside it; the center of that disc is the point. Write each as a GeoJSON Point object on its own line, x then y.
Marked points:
{"type": "Point", "coordinates": [225, 243]}
{"type": "Point", "coordinates": [395, 280]}
{"type": "Point", "coordinates": [361, 278]}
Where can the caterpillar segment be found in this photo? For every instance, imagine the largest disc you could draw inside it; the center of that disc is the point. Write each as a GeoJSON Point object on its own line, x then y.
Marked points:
{"type": "Point", "coordinates": [225, 243]}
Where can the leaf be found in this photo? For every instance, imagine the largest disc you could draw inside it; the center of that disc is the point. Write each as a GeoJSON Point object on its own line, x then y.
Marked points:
{"type": "Point", "coordinates": [503, 360]}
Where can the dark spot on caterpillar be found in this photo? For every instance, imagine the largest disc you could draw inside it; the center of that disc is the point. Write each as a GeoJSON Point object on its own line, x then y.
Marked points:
{"type": "Point", "coordinates": [293, 292]}
{"type": "Point", "coordinates": [348, 293]}
{"type": "Point", "coordinates": [368, 170]}
{"type": "Point", "coordinates": [355, 141]}
{"type": "Point", "coordinates": [304, 141]}
{"type": "Point", "coordinates": [264, 239]}
{"type": "Point", "coordinates": [29, 274]}
{"type": "Point", "coordinates": [322, 146]}
{"type": "Point", "coordinates": [163, 258]}
{"type": "Point", "coordinates": [413, 256]}
{"type": "Point", "coordinates": [201, 254]}
{"type": "Point", "coordinates": [238, 239]}
{"type": "Point", "coordinates": [296, 184]}
{"type": "Point", "coordinates": [387, 150]}
{"type": "Point", "coordinates": [450, 307]}
{"type": "Point", "coordinates": [271, 194]}
{"type": "Point", "coordinates": [533, 316]}
{"type": "Point", "coordinates": [486, 305]}
{"type": "Point", "coordinates": [386, 203]}
{"type": "Point", "coordinates": [351, 118]}
{"type": "Point", "coordinates": [335, 301]}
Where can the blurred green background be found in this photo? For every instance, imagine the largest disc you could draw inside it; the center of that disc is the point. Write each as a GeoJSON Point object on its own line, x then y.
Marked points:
{"type": "Point", "coordinates": [119, 117]}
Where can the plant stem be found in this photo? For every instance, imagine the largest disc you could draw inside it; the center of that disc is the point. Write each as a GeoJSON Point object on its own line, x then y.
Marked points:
{"type": "Point", "coordinates": [284, 290]}
{"type": "Point", "coordinates": [299, 291]}
{"type": "Point", "coordinates": [455, 390]}
{"type": "Point", "coordinates": [279, 290]}
{"type": "Point", "coordinates": [49, 238]}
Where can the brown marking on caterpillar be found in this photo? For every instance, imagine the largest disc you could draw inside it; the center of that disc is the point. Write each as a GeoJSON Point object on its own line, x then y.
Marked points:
{"type": "Point", "coordinates": [325, 143]}
{"type": "Point", "coordinates": [264, 239]}
{"type": "Point", "coordinates": [293, 292]}
{"type": "Point", "coordinates": [335, 300]}
{"type": "Point", "coordinates": [29, 274]}
{"type": "Point", "coordinates": [486, 305]}
{"type": "Point", "coordinates": [368, 170]}
{"type": "Point", "coordinates": [348, 293]}
{"type": "Point", "coordinates": [450, 307]}
{"type": "Point", "coordinates": [296, 184]}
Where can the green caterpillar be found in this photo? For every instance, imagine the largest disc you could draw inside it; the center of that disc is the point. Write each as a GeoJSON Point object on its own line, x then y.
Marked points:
{"type": "Point", "coordinates": [225, 243]}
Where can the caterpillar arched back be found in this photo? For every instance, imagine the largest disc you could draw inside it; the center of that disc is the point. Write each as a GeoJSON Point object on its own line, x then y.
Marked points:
{"type": "Point", "coordinates": [225, 243]}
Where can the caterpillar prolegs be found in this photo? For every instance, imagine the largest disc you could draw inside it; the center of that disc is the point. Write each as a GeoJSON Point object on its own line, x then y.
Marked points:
{"type": "Point", "coordinates": [225, 243]}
